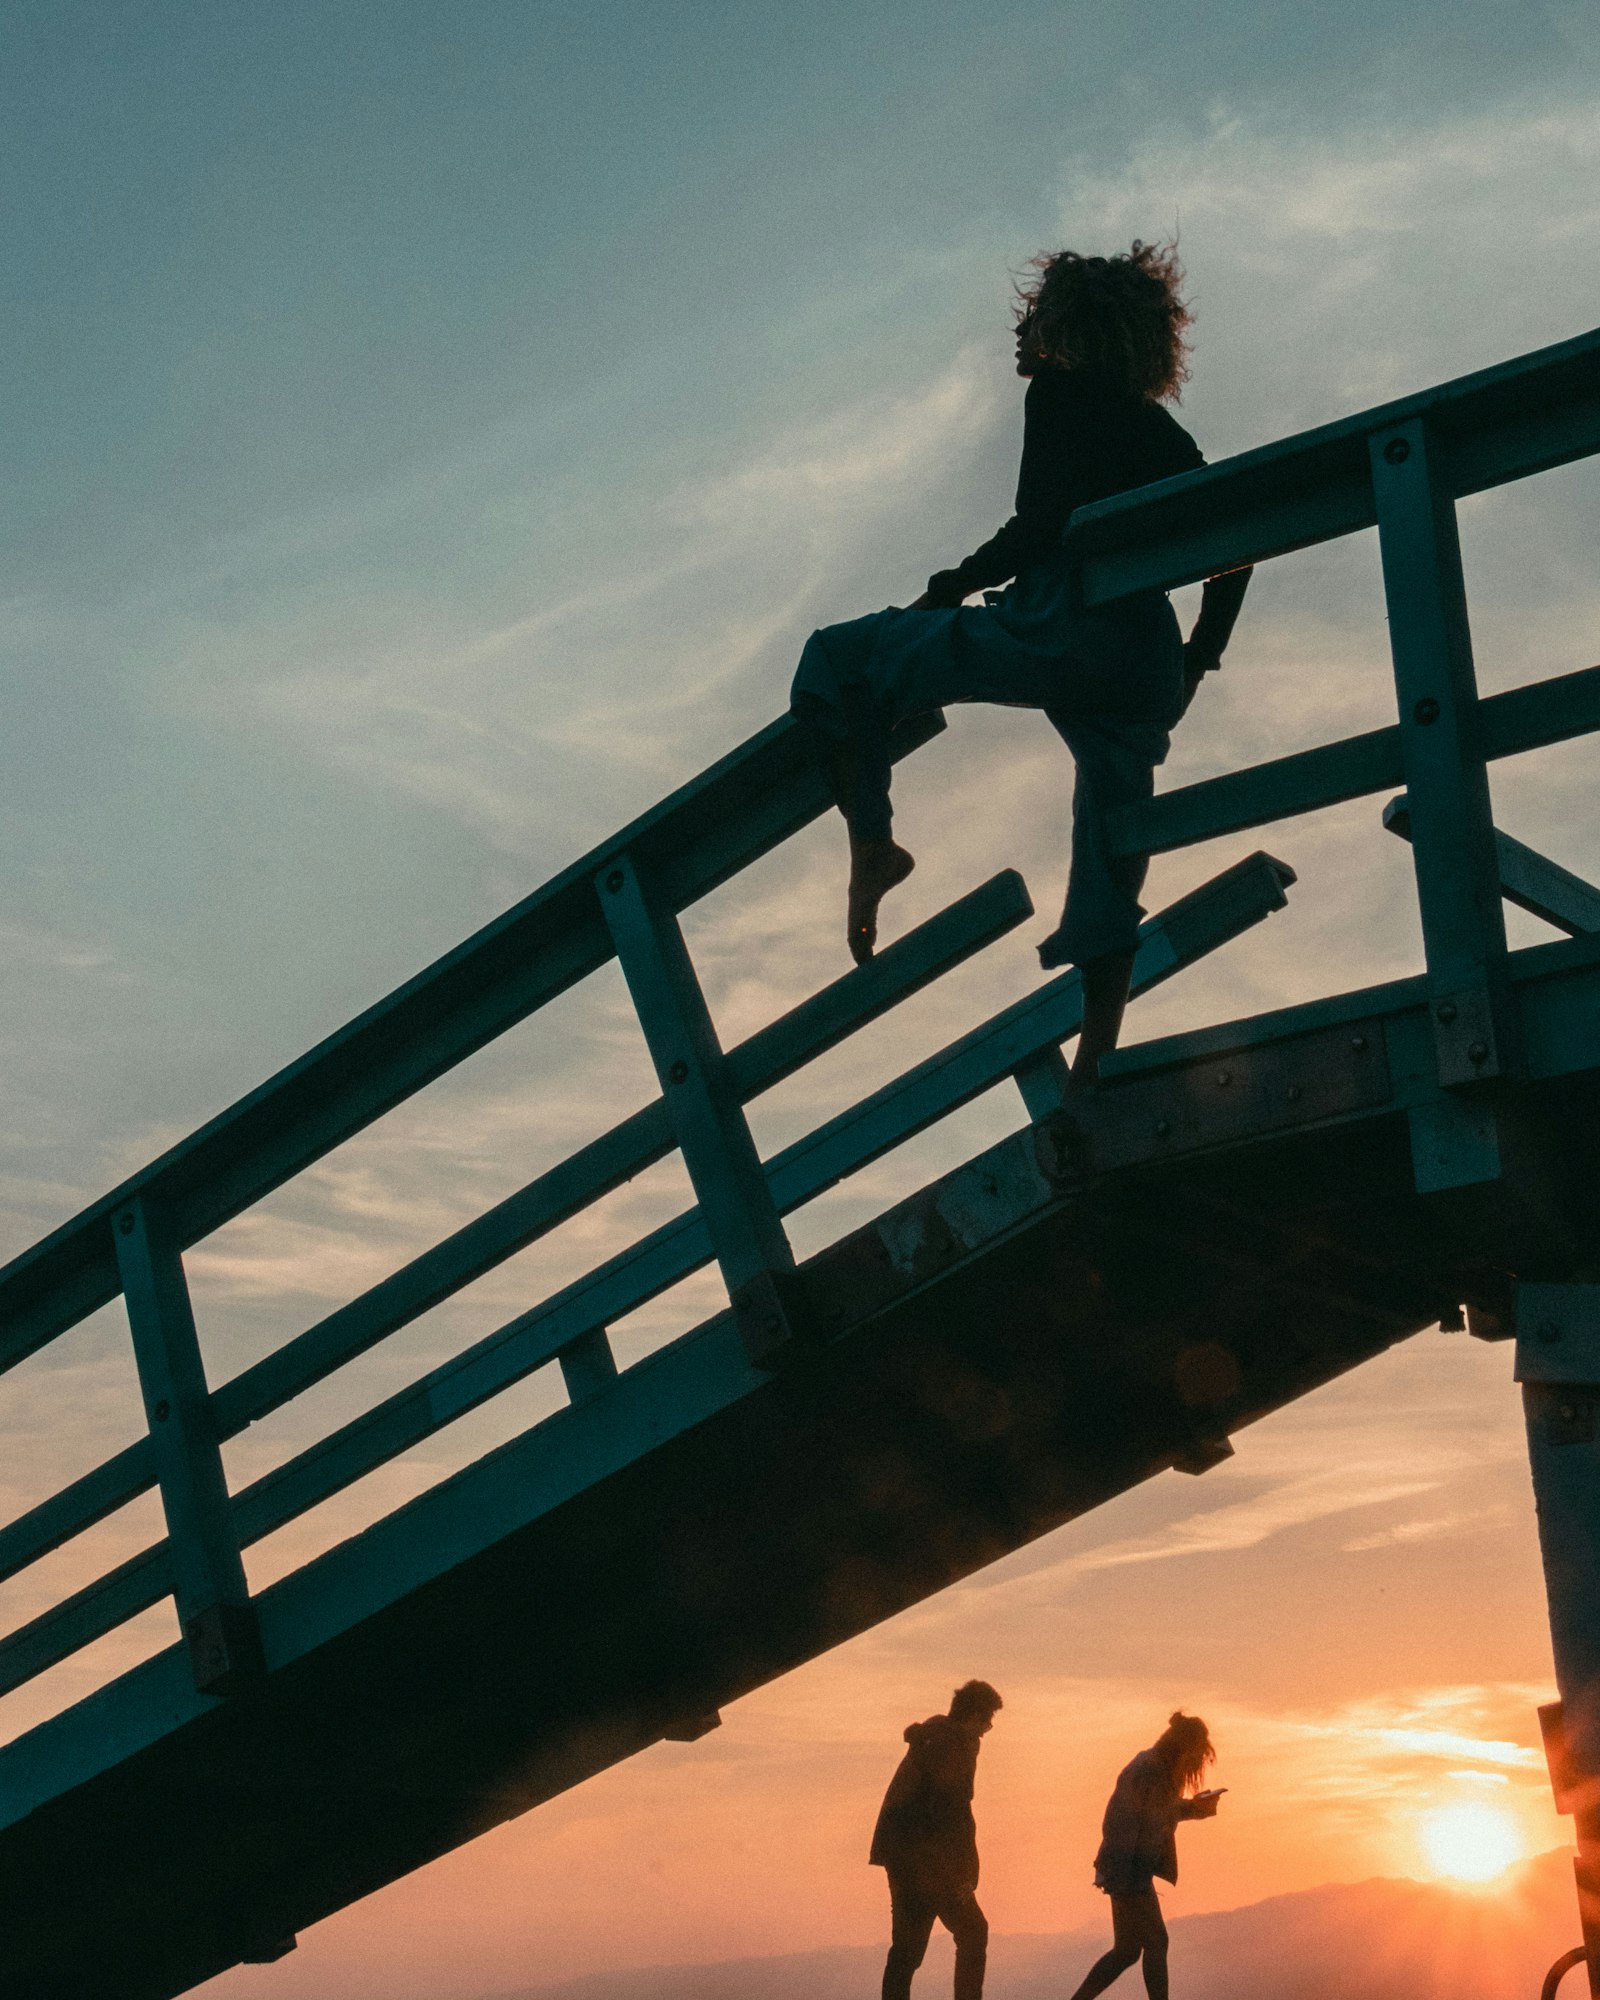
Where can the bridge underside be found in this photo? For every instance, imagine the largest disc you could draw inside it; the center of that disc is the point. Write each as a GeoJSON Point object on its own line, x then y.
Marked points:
{"type": "Point", "coordinates": [1094, 1300]}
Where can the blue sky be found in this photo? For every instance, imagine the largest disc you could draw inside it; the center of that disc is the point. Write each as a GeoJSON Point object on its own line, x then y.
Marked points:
{"type": "Point", "coordinates": [377, 363]}
{"type": "Point", "coordinates": [430, 434]}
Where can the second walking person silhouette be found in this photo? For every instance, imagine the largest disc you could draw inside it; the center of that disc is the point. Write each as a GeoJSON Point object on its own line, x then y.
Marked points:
{"type": "Point", "coordinates": [1157, 1789]}
{"type": "Point", "coordinates": [927, 1841]}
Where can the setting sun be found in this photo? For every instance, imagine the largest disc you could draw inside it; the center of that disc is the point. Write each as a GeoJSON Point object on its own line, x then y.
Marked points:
{"type": "Point", "coordinates": [1471, 1842]}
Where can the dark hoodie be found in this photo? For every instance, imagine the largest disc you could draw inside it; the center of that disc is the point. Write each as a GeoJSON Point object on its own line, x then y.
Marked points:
{"type": "Point", "coordinates": [925, 1828]}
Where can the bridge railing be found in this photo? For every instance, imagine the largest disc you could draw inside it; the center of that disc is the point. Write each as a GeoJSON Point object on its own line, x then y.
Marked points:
{"type": "Point", "coordinates": [1401, 467]}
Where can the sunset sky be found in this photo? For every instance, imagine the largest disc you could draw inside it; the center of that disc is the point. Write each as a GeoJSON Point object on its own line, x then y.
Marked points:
{"type": "Point", "coordinates": [431, 433]}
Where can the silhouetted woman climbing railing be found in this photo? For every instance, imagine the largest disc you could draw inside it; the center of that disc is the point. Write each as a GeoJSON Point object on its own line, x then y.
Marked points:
{"type": "Point", "coordinates": [1102, 341]}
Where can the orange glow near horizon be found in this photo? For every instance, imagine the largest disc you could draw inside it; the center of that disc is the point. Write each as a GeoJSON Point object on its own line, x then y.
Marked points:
{"type": "Point", "coordinates": [1471, 1843]}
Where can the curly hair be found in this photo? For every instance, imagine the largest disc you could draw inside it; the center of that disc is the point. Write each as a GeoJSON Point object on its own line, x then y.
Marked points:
{"type": "Point", "coordinates": [1122, 314]}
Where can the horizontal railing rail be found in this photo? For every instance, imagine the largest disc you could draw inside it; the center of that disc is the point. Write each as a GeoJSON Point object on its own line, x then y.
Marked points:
{"type": "Point", "coordinates": [1501, 424]}
{"type": "Point", "coordinates": [1519, 720]}
{"type": "Point", "coordinates": [1400, 467]}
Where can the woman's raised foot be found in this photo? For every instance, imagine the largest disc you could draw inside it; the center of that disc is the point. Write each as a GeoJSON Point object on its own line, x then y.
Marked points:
{"type": "Point", "coordinates": [876, 867]}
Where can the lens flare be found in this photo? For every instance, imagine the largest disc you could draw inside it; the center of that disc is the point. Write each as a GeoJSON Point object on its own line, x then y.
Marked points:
{"type": "Point", "coordinates": [1473, 1843]}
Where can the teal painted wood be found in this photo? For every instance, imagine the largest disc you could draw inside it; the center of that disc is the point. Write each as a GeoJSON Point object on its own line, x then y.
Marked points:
{"type": "Point", "coordinates": [588, 1366]}
{"type": "Point", "coordinates": [207, 1575]}
{"type": "Point", "coordinates": [696, 839]}
{"type": "Point", "coordinates": [764, 1060]}
{"type": "Point", "coordinates": [1545, 889]}
{"type": "Point", "coordinates": [1553, 990]}
{"type": "Point", "coordinates": [1528, 878]}
{"type": "Point", "coordinates": [1198, 923]}
{"type": "Point", "coordinates": [1509, 724]}
{"type": "Point", "coordinates": [1044, 1084]}
{"type": "Point", "coordinates": [1452, 820]}
{"type": "Point", "coordinates": [1508, 422]}
{"type": "Point", "coordinates": [708, 1119]}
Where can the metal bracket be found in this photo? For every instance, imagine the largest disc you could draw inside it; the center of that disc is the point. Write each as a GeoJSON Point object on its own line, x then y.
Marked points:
{"type": "Point", "coordinates": [772, 1314]}
{"type": "Point", "coordinates": [224, 1643]}
{"type": "Point", "coordinates": [1558, 1334]}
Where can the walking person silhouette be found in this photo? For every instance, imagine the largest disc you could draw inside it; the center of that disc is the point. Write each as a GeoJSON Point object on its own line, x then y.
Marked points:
{"type": "Point", "coordinates": [1138, 1843]}
{"type": "Point", "coordinates": [1102, 343]}
{"type": "Point", "coordinates": [927, 1841]}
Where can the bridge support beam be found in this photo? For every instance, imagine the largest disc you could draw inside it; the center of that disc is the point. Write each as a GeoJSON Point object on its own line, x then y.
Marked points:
{"type": "Point", "coordinates": [730, 1184]}
{"type": "Point", "coordinates": [1558, 1365]}
{"type": "Point", "coordinates": [213, 1600]}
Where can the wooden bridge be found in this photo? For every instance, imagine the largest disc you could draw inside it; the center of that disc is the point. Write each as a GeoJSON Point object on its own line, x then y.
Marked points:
{"type": "Point", "coordinates": [1235, 1216]}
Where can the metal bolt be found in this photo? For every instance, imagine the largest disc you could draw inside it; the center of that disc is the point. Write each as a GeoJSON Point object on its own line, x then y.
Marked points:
{"type": "Point", "coordinates": [125, 1224]}
{"type": "Point", "coordinates": [1478, 1052]}
{"type": "Point", "coordinates": [1358, 1043]}
{"type": "Point", "coordinates": [1396, 451]}
{"type": "Point", "coordinates": [1295, 1093]}
{"type": "Point", "coordinates": [1163, 1128]}
{"type": "Point", "coordinates": [1568, 1412]}
{"type": "Point", "coordinates": [615, 880]}
{"type": "Point", "coordinates": [1224, 1078]}
{"type": "Point", "coordinates": [679, 1072]}
{"type": "Point", "coordinates": [1426, 711]}
{"type": "Point", "coordinates": [1446, 1011]}
{"type": "Point", "coordinates": [162, 1411]}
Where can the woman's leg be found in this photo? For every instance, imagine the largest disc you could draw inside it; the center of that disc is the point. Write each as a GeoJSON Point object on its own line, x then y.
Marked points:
{"type": "Point", "coordinates": [1155, 1951]}
{"type": "Point", "coordinates": [1100, 923]}
{"type": "Point", "coordinates": [851, 722]}
{"type": "Point", "coordinates": [1115, 709]}
{"type": "Point", "coordinates": [1130, 1930]}
{"type": "Point", "coordinates": [1106, 981]}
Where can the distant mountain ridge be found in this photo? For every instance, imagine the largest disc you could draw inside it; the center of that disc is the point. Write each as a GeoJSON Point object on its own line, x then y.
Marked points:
{"type": "Point", "coordinates": [1377, 1940]}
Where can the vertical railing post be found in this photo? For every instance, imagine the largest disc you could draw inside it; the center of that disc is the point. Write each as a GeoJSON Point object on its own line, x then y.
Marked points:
{"type": "Point", "coordinates": [214, 1610]}
{"type": "Point", "coordinates": [1558, 1365]}
{"type": "Point", "coordinates": [1452, 822]}
{"type": "Point", "coordinates": [708, 1119]}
